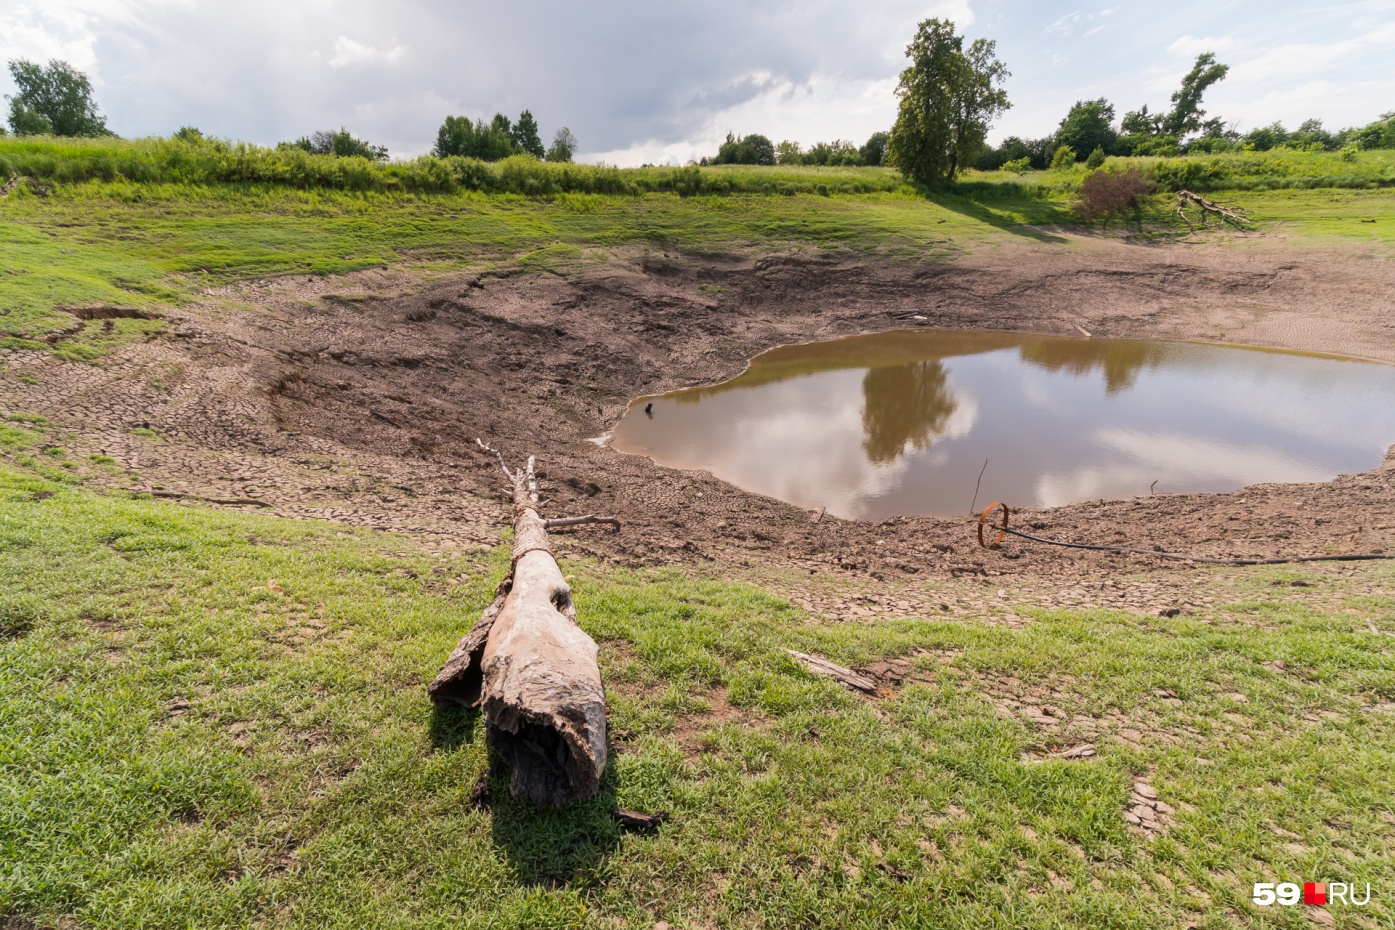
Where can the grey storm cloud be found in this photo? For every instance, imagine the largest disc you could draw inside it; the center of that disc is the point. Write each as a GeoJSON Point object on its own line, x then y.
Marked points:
{"type": "Point", "coordinates": [616, 73]}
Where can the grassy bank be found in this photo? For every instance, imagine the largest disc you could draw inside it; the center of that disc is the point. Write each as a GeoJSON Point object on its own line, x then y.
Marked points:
{"type": "Point", "coordinates": [145, 246]}
{"type": "Point", "coordinates": [219, 720]}
{"type": "Point", "coordinates": [190, 222]}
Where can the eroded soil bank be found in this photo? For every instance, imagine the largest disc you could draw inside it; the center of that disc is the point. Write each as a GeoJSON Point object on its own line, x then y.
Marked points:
{"type": "Point", "coordinates": [359, 398]}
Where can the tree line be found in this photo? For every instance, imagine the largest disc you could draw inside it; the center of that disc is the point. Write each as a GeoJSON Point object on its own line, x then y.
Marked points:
{"type": "Point", "coordinates": [1089, 131]}
{"type": "Point", "coordinates": [57, 100]}
{"type": "Point", "coordinates": [757, 149]}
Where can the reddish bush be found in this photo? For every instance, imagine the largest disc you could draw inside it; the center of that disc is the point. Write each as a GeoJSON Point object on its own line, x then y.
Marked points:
{"type": "Point", "coordinates": [1109, 193]}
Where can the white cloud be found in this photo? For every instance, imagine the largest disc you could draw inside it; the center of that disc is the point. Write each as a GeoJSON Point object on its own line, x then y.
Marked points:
{"type": "Point", "coordinates": [1290, 62]}
{"type": "Point", "coordinates": [1191, 46]}
{"type": "Point", "coordinates": [1070, 22]}
{"type": "Point", "coordinates": [49, 32]}
{"type": "Point", "coordinates": [348, 52]}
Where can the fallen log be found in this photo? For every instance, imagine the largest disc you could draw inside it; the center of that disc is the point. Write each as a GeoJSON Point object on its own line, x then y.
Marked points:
{"type": "Point", "coordinates": [532, 669]}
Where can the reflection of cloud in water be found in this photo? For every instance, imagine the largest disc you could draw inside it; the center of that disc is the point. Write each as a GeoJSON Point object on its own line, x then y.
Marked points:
{"type": "Point", "coordinates": [811, 456]}
{"type": "Point", "coordinates": [1036, 395]}
{"type": "Point", "coordinates": [961, 422]}
{"type": "Point", "coordinates": [1171, 459]}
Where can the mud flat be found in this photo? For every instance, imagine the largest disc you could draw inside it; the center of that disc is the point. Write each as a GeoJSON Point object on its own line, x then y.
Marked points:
{"type": "Point", "coordinates": [358, 398]}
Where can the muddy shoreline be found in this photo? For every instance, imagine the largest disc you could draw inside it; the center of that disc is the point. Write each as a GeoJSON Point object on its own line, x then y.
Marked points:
{"type": "Point", "coordinates": [358, 399]}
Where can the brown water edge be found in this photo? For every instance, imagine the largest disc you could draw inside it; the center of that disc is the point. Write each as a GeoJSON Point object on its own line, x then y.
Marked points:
{"type": "Point", "coordinates": [900, 423]}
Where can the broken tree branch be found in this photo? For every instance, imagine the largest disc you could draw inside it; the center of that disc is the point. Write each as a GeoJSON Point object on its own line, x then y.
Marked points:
{"type": "Point", "coordinates": [532, 669]}
{"type": "Point", "coordinates": [580, 521]}
{"type": "Point", "coordinates": [499, 457]}
{"type": "Point", "coordinates": [828, 670]}
{"type": "Point", "coordinates": [1233, 215]}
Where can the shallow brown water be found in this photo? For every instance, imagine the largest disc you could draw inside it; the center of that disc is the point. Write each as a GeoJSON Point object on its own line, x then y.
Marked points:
{"type": "Point", "coordinates": [900, 423]}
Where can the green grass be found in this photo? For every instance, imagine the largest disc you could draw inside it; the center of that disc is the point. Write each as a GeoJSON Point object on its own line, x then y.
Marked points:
{"type": "Point", "coordinates": [220, 720]}
{"type": "Point", "coordinates": [144, 246]}
{"type": "Point", "coordinates": [101, 239]}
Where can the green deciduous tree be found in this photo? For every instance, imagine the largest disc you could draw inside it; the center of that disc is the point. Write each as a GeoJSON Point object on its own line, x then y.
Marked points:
{"type": "Point", "coordinates": [525, 135]}
{"type": "Point", "coordinates": [26, 121]}
{"type": "Point", "coordinates": [1015, 148]}
{"type": "Point", "coordinates": [873, 151]}
{"type": "Point", "coordinates": [55, 99]}
{"type": "Point", "coordinates": [1266, 137]}
{"type": "Point", "coordinates": [949, 98]}
{"type": "Point", "coordinates": [1377, 135]}
{"type": "Point", "coordinates": [1186, 114]}
{"type": "Point", "coordinates": [563, 145]}
{"type": "Point", "coordinates": [833, 154]}
{"type": "Point", "coordinates": [789, 153]}
{"type": "Point", "coordinates": [754, 149]}
{"type": "Point", "coordinates": [1088, 126]}
{"type": "Point", "coordinates": [340, 143]}
{"type": "Point", "coordinates": [485, 141]}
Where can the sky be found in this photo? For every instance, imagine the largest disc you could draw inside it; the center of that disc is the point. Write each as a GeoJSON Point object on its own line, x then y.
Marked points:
{"type": "Point", "coordinates": [644, 82]}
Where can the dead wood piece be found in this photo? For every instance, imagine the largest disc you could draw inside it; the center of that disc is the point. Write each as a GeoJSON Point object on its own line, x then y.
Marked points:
{"type": "Point", "coordinates": [638, 821]}
{"type": "Point", "coordinates": [1233, 215]}
{"type": "Point", "coordinates": [9, 185]}
{"type": "Point", "coordinates": [828, 670]}
{"type": "Point", "coordinates": [532, 669]}
{"type": "Point", "coordinates": [581, 521]}
{"type": "Point", "coordinates": [228, 501]}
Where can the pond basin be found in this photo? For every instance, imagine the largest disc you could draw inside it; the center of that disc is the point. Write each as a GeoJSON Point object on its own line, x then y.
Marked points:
{"type": "Point", "coordinates": [900, 423]}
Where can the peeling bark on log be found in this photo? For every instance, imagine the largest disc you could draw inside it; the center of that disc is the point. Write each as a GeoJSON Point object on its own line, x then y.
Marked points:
{"type": "Point", "coordinates": [532, 669]}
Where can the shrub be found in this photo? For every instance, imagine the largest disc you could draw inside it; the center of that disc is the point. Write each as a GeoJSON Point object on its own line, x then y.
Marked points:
{"type": "Point", "coordinates": [1018, 165]}
{"type": "Point", "coordinates": [1106, 194]}
{"type": "Point", "coordinates": [1064, 158]}
{"type": "Point", "coordinates": [1096, 159]}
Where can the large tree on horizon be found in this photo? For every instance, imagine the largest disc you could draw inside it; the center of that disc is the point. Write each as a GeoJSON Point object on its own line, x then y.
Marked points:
{"type": "Point", "coordinates": [54, 99]}
{"type": "Point", "coordinates": [1186, 114]}
{"type": "Point", "coordinates": [1186, 101]}
{"type": "Point", "coordinates": [949, 98]}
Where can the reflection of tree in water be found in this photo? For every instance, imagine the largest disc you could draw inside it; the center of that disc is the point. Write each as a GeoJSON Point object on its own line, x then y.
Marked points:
{"type": "Point", "coordinates": [904, 404]}
{"type": "Point", "coordinates": [1121, 361]}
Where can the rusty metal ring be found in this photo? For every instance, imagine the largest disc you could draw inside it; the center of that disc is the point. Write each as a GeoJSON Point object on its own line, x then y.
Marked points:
{"type": "Point", "coordinates": [1002, 528]}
